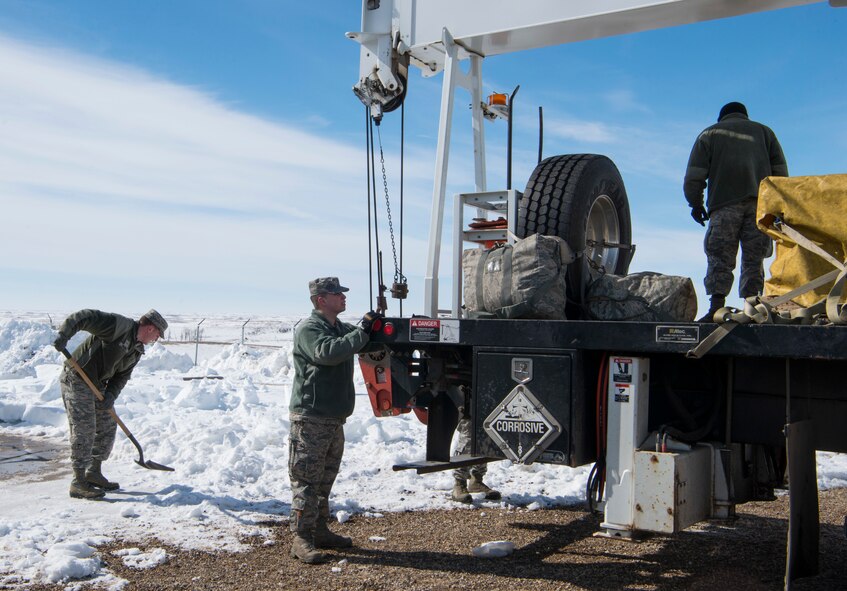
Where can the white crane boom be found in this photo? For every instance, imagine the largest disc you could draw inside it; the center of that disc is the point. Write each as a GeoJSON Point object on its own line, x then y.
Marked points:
{"type": "Point", "coordinates": [398, 30]}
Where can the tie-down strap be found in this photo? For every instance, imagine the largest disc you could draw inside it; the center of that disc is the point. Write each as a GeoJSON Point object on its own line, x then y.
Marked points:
{"type": "Point", "coordinates": [761, 312]}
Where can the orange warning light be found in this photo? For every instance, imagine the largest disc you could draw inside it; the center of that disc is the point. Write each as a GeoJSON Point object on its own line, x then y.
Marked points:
{"type": "Point", "coordinates": [497, 99]}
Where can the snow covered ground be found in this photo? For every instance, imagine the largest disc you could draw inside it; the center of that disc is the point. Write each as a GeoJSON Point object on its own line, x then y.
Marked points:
{"type": "Point", "coordinates": [226, 437]}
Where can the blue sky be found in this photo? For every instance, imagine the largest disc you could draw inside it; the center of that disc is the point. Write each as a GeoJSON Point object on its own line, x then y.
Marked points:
{"type": "Point", "coordinates": [209, 156]}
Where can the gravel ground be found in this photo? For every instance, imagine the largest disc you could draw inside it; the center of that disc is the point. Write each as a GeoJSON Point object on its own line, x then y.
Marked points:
{"type": "Point", "coordinates": [555, 549]}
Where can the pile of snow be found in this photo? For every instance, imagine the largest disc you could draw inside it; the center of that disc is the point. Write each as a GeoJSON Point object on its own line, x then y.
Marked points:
{"type": "Point", "coordinates": [159, 358]}
{"type": "Point", "coordinates": [24, 345]}
{"type": "Point", "coordinates": [259, 364]}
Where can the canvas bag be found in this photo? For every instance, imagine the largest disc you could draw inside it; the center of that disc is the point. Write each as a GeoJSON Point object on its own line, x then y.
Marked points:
{"type": "Point", "coordinates": [648, 297]}
{"type": "Point", "coordinates": [814, 206]}
{"type": "Point", "coordinates": [523, 280]}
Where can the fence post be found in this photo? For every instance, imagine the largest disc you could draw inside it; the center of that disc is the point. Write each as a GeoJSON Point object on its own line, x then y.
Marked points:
{"type": "Point", "coordinates": [242, 330]}
{"type": "Point", "coordinates": [197, 340]}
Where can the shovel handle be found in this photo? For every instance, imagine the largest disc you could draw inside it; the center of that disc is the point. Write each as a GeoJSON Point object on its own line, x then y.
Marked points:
{"type": "Point", "coordinates": [96, 392]}
{"type": "Point", "coordinates": [82, 374]}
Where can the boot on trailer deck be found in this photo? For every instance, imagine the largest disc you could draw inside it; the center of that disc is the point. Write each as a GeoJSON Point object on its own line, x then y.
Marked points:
{"type": "Point", "coordinates": [717, 302]}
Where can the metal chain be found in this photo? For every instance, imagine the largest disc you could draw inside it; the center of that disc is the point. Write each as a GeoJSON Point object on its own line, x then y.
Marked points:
{"type": "Point", "coordinates": [397, 276]}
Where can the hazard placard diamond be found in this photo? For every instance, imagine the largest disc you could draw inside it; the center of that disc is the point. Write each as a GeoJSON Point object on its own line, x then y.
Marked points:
{"type": "Point", "coordinates": [521, 426]}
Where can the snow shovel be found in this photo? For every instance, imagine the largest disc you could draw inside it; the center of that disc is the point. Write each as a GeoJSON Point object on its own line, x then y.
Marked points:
{"type": "Point", "coordinates": [149, 464]}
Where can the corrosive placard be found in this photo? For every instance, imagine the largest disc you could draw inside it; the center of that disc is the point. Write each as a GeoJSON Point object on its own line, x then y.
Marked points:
{"type": "Point", "coordinates": [521, 426]}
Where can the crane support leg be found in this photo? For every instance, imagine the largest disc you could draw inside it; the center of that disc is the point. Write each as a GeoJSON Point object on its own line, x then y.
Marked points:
{"type": "Point", "coordinates": [472, 82]}
{"type": "Point", "coordinates": [803, 517]}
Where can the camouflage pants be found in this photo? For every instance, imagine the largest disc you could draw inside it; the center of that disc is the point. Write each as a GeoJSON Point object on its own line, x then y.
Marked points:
{"type": "Point", "coordinates": [727, 227]}
{"type": "Point", "coordinates": [92, 428]}
{"type": "Point", "coordinates": [463, 446]}
{"type": "Point", "coordinates": [316, 445]}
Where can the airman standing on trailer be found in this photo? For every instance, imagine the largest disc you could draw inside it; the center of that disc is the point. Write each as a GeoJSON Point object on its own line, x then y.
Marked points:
{"type": "Point", "coordinates": [732, 157]}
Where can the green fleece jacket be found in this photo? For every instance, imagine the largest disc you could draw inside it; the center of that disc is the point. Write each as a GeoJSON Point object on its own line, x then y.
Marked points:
{"type": "Point", "coordinates": [323, 367]}
{"type": "Point", "coordinates": [732, 156]}
{"type": "Point", "coordinates": [110, 352]}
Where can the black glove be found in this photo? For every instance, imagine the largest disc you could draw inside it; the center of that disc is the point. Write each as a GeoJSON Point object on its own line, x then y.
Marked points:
{"type": "Point", "coordinates": [108, 400]}
{"type": "Point", "coordinates": [371, 321]}
{"type": "Point", "coordinates": [700, 215]}
{"type": "Point", "coordinates": [61, 342]}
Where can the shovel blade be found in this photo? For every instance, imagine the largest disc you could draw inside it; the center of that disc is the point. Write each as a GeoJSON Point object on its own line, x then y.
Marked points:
{"type": "Point", "coordinates": [151, 465]}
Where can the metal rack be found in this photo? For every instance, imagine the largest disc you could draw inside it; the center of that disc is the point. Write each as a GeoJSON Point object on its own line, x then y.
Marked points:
{"type": "Point", "coordinates": [502, 203]}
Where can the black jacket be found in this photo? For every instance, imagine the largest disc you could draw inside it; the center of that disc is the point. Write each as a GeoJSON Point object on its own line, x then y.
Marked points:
{"type": "Point", "coordinates": [732, 156]}
{"type": "Point", "coordinates": [110, 352]}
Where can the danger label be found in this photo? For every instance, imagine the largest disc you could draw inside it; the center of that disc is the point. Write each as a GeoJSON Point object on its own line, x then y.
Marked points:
{"type": "Point", "coordinates": [430, 330]}
{"type": "Point", "coordinates": [424, 330]}
{"type": "Point", "coordinates": [622, 370]}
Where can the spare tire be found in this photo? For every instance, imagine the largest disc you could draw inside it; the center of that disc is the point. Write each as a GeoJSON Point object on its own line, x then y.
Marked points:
{"type": "Point", "coordinates": [580, 198]}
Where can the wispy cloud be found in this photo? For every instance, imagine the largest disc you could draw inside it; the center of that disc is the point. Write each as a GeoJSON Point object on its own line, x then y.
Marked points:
{"type": "Point", "coordinates": [583, 131]}
{"type": "Point", "coordinates": [111, 173]}
{"type": "Point", "coordinates": [624, 101]}
{"type": "Point", "coordinates": [75, 124]}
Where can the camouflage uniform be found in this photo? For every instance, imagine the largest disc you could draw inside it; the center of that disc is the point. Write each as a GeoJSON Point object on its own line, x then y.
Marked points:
{"type": "Point", "coordinates": [92, 428]}
{"type": "Point", "coordinates": [316, 445]}
{"type": "Point", "coordinates": [463, 446]}
{"type": "Point", "coordinates": [727, 227]}
{"type": "Point", "coordinates": [322, 397]}
{"type": "Point", "coordinates": [107, 356]}
{"type": "Point", "coordinates": [732, 157]}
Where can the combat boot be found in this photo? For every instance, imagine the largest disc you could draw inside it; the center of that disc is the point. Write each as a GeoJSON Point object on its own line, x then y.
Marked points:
{"type": "Point", "coordinates": [95, 477]}
{"type": "Point", "coordinates": [478, 486]}
{"type": "Point", "coordinates": [716, 303]}
{"type": "Point", "coordinates": [460, 492]}
{"type": "Point", "coordinates": [304, 550]}
{"type": "Point", "coordinates": [80, 489]}
{"type": "Point", "coordinates": [324, 538]}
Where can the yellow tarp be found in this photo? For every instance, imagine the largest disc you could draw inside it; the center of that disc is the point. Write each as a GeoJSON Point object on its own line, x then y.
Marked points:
{"type": "Point", "coordinates": [815, 206]}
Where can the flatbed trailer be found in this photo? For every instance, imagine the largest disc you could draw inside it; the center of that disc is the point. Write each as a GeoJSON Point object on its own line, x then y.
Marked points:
{"type": "Point", "coordinates": [611, 392]}
{"type": "Point", "coordinates": [770, 375]}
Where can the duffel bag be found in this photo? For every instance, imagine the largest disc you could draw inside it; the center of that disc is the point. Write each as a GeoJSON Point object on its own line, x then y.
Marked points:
{"type": "Point", "coordinates": [523, 280]}
{"type": "Point", "coordinates": [650, 297]}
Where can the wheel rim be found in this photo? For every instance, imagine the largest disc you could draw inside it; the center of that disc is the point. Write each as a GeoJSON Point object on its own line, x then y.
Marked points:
{"type": "Point", "coordinates": [602, 226]}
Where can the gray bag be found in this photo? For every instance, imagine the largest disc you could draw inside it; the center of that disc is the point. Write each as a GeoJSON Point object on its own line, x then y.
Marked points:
{"type": "Point", "coordinates": [650, 297]}
{"type": "Point", "coordinates": [524, 280]}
